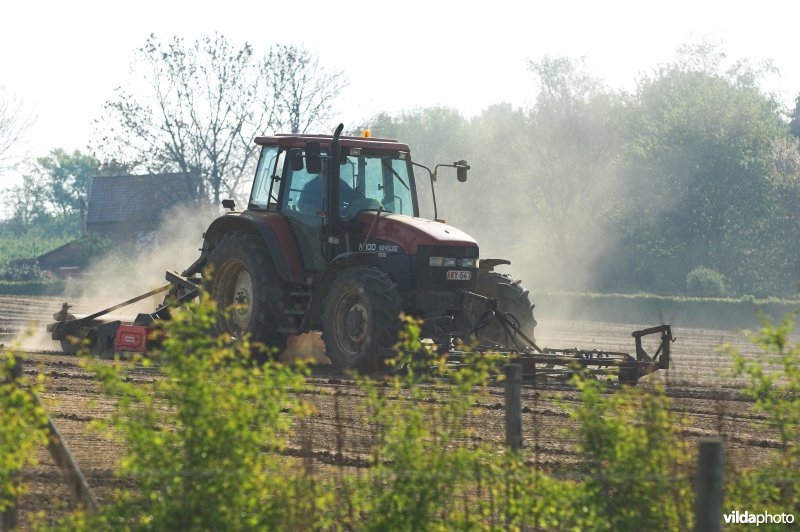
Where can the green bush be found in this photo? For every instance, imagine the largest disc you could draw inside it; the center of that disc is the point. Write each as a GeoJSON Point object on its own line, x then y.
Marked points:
{"type": "Point", "coordinates": [200, 441]}
{"type": "Point", "coordinates": [22, 428]}
{"type": "Point", "coordinates": [705, 282]}
{"type": "Point", "coordinates": [773, 382]}
{"type": "Point", "coordinates": [634, 457]}
{"type": "Point", "coordinates": [31, 288]}
{"type": "Point", "coordinates": [21, 270]}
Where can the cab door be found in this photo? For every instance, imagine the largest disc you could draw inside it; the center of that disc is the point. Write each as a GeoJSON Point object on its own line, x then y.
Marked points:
{"type": "Point", "coordinates": [302, 203]}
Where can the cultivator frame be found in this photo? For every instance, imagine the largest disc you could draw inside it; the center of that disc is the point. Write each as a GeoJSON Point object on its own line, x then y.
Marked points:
{"type": "Point", "coordinates": [104, 337]}
{"type": "Point", "coordinates": [547, 364]}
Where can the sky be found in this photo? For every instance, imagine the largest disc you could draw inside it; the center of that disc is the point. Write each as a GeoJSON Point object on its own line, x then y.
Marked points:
{"type": "Point", "coordinates": [64, 59]}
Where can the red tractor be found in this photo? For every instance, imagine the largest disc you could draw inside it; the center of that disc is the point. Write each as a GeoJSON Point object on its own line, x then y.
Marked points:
{"type": "Point", "coordinates": [332, 240]}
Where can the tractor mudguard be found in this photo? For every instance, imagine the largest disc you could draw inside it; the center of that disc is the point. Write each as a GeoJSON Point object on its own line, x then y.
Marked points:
{"type": "Point", "coordinates": [487, 265]}
{"type": "Point", "coordinates": [274, 231]}
{"type": "Point", "coordinates": [313, 317]}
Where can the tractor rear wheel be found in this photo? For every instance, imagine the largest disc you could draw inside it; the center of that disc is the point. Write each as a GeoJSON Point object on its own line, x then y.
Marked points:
{"type": "Point", "coordinates": [512, 298]}
{"type": "Point", "coordinates": [247, 289]}
{"type": "Point", "coordinates": [361, 318]}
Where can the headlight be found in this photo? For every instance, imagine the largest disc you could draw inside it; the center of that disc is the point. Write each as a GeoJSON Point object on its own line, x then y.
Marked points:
{"type": "Point", "coordinates": [467, 263]}
{"type": "Point", "coordinates": [435, 261]}
{"type": "Point", "coordinates": [449, 262]}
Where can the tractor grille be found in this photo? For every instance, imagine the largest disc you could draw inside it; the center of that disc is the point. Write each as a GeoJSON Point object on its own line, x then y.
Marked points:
{"type": "Point", "coordinates": [435, 277]}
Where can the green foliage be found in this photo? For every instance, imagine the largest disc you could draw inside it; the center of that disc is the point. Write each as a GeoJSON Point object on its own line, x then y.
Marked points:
{"type": "Point", "coordinates": [54, 186]}
{"type": "Point", "coordinates": [21, 271]}
{"type": "Point", "coordinates": [634, 457]}
{"type": "Point", "coordinates": [423, 463]}
{"type": "Point", "coordinates": [705, 282]}
{"type": "Point", "coordinates": [200, 441]}
{"type": "Point", "coordinates": [31, 241]}
{"type": "Point", "coordinates": [23, 425]}
{"type": "Point", "coordinates": [774, 383]}
{"type": "Point", "coordinates": [31, 288]}
{"type": "Point", "coordinates": [794, 124]}
{"type": "Point", "coordinates": [68, 177]}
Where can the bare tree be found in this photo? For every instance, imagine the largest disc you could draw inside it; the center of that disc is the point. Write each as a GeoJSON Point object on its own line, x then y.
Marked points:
{"type": "Point", "coordinates": [14, 124]}
{"type": "Point", "coordinates": [198, 106]}
{"type": "Point", "coordinates": [304, 91]}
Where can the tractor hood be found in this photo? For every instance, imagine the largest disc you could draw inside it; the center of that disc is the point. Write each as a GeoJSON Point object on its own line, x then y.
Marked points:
{"type": "Point", "coordinates": [409, 232]}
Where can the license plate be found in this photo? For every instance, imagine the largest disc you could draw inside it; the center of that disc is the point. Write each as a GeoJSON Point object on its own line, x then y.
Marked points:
{"type": "Point", "coordinates": [458, 275]}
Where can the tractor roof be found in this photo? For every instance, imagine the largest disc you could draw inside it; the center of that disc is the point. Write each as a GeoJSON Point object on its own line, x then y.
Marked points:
{"type": "Point", "coordinates": [299, 141]}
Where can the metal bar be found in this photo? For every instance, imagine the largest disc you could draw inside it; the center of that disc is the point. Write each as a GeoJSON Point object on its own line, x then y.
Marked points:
{"type": "Point", "coordinates": [77, 323]}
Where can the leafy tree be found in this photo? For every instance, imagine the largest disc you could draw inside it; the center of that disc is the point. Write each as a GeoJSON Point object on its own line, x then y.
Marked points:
{"type": "Point", "coordinates": [24, 201]}
{"type": "Point", "coordinates": [794, 124]}
{"type": "Point", "coordinates": [701, 164]}
{"type": "Point", "coordinates": [568, 153]}
{"type": "Point", "coordinates": [436, 135]}
{"type": "Point", "coordinates": [201, 104]}
{"type": "Point", "coordinates": [67, 178]}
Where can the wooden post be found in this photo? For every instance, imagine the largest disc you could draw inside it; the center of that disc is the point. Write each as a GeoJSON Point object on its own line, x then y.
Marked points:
{"type": "Point", "coordinates": [514, 407]}
{"type": "Point", "coordinates": [708, 487]}
{"type": "Point", "coordinates": [76, 482]}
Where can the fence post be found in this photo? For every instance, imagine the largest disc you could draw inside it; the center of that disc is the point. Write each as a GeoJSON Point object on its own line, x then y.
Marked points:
{"type": "Point", "coordinates": [708, 487]}
{"type": "Point", "coordinates": [8, 517]}
{"type": "Point", "coordinates": [514, 407]}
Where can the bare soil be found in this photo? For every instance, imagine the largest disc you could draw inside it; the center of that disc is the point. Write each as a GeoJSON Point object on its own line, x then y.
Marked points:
{"type": "Point", "coordinates": [699, 384]}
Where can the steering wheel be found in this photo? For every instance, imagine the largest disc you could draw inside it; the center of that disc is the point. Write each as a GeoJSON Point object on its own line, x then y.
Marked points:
{"type": "Point", "coordinates": [361, 204]}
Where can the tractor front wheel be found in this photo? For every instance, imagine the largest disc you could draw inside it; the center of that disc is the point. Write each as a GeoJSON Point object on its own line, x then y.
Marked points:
{"type": "Point", "coordinates": [512, 298]}
{"type": "Point", "coordinates": [361, 318]}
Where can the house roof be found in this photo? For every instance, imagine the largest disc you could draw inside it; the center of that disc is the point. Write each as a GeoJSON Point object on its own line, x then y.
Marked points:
{"type": "Point", "coordinates": [132, 198]}
{"type": "Point", "coordinates": [70, 254]}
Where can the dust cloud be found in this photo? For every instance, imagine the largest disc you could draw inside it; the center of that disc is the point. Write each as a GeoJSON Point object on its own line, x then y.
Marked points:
{"type": "Point", "coordinates": [175, 245]}
{"type": "Point", "coordinates": [115, 278]}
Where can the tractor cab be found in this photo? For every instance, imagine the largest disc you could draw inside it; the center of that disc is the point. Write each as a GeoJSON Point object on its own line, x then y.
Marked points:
{"type": "Point", "coordinates": [374, 175]}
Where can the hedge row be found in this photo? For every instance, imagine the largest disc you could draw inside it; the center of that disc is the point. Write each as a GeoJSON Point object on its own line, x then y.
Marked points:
{"type": "Point", "coordinates": [647, 309]}
{"type": "Point", "coordinates": [31, 288]}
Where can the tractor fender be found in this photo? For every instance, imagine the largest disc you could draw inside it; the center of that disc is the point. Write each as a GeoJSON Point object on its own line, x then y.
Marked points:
{"type": "Point", "coordinates": [313, 317]}
{"type": "Point", "coordinates": [274, 231]}
{"type": "Point", "coordinates": [487, 265]}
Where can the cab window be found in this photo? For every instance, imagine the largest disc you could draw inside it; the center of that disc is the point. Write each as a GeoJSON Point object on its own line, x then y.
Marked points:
{"type": "Point", "coordinates": [267, 166]}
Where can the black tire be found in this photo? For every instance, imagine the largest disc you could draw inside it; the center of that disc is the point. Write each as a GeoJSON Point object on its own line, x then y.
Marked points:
{"type": "Point", "coordinates": [512, 298]}
{"type": "Point", "coordinates": [247, 289]}
{"type": "Point", "coordinates": [361, 318]}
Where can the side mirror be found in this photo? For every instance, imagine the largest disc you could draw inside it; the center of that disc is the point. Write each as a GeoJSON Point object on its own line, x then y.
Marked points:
{"type": "Point", "coordinates": [461, 170]}
{"type": "Point", "coordinates": [228, 204]}
{"type": "Point", "coordinates": [313, 157]}
{"type": "Point", "coordinates": [296, 159]}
